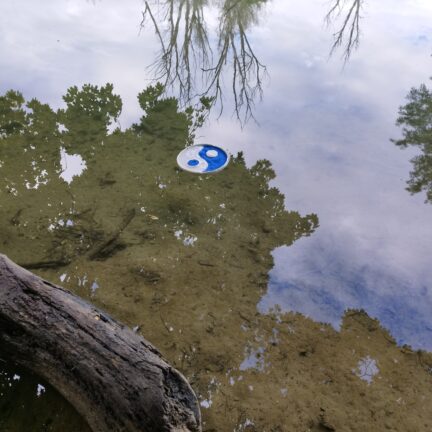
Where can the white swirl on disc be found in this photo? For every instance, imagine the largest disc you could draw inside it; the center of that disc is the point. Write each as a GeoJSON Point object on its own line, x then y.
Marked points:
{"type": "Point", "coordinates": [192, 154]}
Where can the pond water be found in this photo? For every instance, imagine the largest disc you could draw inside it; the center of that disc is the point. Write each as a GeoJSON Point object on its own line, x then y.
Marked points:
{"type": "Point", "coordinates": [292, 287]}
{"type": "Point", "coordinates": [28, 403]}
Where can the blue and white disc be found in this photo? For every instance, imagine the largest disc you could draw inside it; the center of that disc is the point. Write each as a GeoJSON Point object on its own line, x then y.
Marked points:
{"type": "Point", "coordinates": [203, 158]}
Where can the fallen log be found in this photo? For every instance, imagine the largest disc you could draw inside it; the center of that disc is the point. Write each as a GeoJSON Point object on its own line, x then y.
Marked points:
{"type": "Point", "coordinates": [113, 377]}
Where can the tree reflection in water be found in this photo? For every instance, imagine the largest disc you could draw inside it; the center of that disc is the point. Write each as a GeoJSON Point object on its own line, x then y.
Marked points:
{"type": "Point", "coordinates": [415, 117]}
{"type": "Point", "coordinates": [187, 60]}
{"type": "Point", "coordinates": [347, 35]}
{"type": "Point", "coordinates": [194, 65]}
{"type": "Point", "coordinates": [185, 259]}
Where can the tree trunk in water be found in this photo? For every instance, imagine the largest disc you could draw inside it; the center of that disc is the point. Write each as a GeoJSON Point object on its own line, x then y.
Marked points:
{"type": "Point", "coordinates": [114, 378]}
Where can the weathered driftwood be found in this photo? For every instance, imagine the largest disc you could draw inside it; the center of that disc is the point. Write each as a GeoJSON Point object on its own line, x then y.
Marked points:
{"type": "Point", "coordinates": [115, 379]}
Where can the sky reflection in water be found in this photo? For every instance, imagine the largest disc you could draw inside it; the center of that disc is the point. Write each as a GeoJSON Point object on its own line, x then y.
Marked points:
{"type": "Point", "coordinates": [324, 126]}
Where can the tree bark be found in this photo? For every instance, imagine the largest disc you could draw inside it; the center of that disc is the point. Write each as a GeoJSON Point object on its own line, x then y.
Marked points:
{"type": "Point", "coordinates": [113, 377]}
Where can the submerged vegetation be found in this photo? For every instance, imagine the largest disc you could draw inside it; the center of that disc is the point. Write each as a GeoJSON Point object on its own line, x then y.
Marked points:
{"type": "Point", "coordinates": [185, 259]}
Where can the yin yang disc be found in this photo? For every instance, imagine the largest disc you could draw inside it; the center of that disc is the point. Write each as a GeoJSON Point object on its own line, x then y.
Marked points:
{"type": "Point", "coordinates": [203, 159]}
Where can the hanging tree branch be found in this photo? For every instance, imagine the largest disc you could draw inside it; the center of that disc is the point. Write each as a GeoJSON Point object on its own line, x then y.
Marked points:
{"type": "Point", "coordinates": [348, 35]}
{"type": "Point", "coordinates": [248, 71]}
{"type": "Point", "coordinates": [185, 49]}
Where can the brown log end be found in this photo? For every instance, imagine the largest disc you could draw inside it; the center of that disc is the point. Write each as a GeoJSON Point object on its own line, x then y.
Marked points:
{"type": "Point", "coordinates": [114, 378]}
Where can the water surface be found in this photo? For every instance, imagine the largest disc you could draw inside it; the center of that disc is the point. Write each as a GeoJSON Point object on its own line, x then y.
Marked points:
{"type": "Point", "coordinates": [313, 217]}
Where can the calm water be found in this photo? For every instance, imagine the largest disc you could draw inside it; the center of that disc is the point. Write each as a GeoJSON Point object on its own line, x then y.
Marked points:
{"type": "Point", "coordinates": [324, 226]}
{"type": "Point", "coordinates": [28, 403]}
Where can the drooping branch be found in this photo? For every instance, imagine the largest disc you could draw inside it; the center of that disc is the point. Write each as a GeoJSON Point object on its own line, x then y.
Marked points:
{"type": "Point", "coordinates": [248, 72]}
{"type": "Point", "coordinates": [186, 49]}
{"type": "Point", "coordinates": [348, 35]}
{"type": "Point", "coordinates": [114, 378]}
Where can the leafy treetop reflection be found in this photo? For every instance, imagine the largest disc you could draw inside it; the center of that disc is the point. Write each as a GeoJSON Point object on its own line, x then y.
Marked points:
{"type": "Point", "coordinates": [416, 120]}
{"type": "Point", "coordinates": [126, 171]}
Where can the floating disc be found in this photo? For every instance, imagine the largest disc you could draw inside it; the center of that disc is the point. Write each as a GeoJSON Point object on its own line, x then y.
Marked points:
{"type": "Point", "coordinates": [202, 159]}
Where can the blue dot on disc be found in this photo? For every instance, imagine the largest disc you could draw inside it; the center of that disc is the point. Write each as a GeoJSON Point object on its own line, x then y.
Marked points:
{"type": "Point", "coordinates": [193, 162]}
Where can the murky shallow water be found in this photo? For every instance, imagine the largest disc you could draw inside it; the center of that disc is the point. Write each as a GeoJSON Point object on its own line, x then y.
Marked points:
{"type": "Point", "coordinates": [213, 270]}
{"type": "Point", "coordinates": [28, 403]}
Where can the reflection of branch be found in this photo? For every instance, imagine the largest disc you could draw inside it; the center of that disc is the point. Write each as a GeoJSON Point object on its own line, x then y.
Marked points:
{"type": "Point", "coordinates": [248, 71]}
{"type": "Point", "coordinates": [349, 33]}
{"type": "Point", "coordinates": [185, 48]}
{"type": "Point", "coordinates": [179, 59]}
{"type": "Point", "coordinates": [248, 68]}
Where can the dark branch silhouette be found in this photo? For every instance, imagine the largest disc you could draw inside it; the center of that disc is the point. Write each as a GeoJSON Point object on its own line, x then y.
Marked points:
{"type": "Point", "coordinates": [348, 34]}
{"type": "Point", "coordinates": [248, 71]}
{"type": "Point", "coordinates": [188, 62]}
{"type": "Point", "coordinates": [185, 47]}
